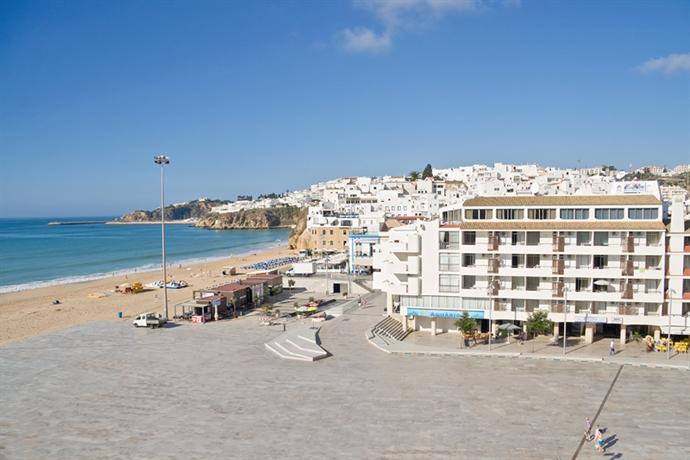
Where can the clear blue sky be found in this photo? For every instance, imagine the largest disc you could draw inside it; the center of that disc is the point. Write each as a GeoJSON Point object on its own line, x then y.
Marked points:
{"type": "Point", "coordinates": [251, 97]}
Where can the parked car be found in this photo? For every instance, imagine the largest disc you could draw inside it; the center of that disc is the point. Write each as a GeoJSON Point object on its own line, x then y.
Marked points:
{"type": "Point", "coordinates": [152, 320]}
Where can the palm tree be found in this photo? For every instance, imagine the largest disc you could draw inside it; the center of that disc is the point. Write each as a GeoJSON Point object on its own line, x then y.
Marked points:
{"type": "Point", "coordinates": [466, 325]}
{"type": "Point", "coordinates": [413, 176]}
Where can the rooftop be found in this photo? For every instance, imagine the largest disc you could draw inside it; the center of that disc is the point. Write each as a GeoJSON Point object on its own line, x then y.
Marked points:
{"type": "Point", "coordinates": [569, 200]}
{"type": "Point", "coordinates": [559, 225]}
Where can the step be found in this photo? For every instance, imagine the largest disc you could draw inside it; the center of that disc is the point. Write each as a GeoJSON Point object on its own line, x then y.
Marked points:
{"type": "Point", "coordinates": [284, 356]}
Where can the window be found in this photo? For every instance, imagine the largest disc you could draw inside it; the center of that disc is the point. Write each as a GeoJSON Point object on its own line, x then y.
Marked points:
{"type": "Point", "coordinates": [532, 284]}
{"type": "Point", "coordinates": [581, 261]}
{"type": "Point", "coordinates": [643, 213]}
{"type": "Point", "coordinates": [449, 240]}
{"type": "Point", "coordinates": [601, 238]}
{"type": "Point", "coordinates": [514, 238]}
{"type": "Point", "coordinates": [477, 214]}
{"type": "Point", "coordinates": [449, 283]}
{"type": "Point", "coordinates": [601, 261]}
{"type": "Point", "coordinates": [581, 284]}
{"type": "Point", "coordinates": [532, 238]}
{"type": "Point", "coordinates": [469, 238]}
{"type": "Point", "coordinates": [509, 214]}
{"type": "Point", "coordinates": [583, 238]}
{"type": "Point", "coordinates": [469, 282]}
{"type": "Point", "coordinates": [516, 260]}
{"type": "Point", "coordinates": [653, 239]}
{"type": "Point", "coordinates": [331, 232]}
{"type": "Point", "coordinates": [608, 213]}
{"type": "Point", "coordinates": [541, 214]}
{"type": "Point", "coordinates": [574, 214]}
{"type": "Point", "coordinates": [448, 262]}
{"type": "Point", "coordinates": [532, 260]}
{"type": "Point", "coordinates": [469, 260]}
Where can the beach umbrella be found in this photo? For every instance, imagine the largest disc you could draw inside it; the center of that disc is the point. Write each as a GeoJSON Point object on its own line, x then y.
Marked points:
{"type": "Point", "coordinates": [509, 327]}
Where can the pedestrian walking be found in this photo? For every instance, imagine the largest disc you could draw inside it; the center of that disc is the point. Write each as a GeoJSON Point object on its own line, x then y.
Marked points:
{"type": "Point", "coordinates": [588, 429]}
{"type": "Point", "coordinates": [612, 348]}
{"type": "Point", "coordinates": [599, 440]}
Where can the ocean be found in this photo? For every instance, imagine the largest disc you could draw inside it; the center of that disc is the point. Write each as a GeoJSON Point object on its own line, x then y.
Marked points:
{"type": "Point", "coordinates": [34, 254]}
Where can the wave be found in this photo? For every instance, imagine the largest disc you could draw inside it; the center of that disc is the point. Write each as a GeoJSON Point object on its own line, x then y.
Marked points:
{"type": "Point", "coordinates": [137, 269]}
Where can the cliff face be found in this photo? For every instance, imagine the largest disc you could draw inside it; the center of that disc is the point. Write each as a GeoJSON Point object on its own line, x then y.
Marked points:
{"type": "Point", "coordinates": [253, 218]}
{"type": "Point", "coordinates": [193, 209]}
{"type": "Point", "coordinates": [299, 231]}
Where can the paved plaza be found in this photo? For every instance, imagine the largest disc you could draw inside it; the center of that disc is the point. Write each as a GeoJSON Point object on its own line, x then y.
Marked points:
{"type": "Point", "coordinates": [107, 390]}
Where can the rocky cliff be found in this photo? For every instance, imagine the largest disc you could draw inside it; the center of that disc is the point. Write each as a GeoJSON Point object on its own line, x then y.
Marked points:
{"type": "Point", "coordinates": [258, 219]}
{"type": "Point", "coordinates": [193, 209]}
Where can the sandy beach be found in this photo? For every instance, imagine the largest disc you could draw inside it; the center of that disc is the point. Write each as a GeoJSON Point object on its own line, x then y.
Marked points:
{"type": "Point", "coordinates": [28, 313]}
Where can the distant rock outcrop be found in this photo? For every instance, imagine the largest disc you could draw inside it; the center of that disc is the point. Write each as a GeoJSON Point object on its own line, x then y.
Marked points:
{"type": "Point", "coordinates": [192, 210]}
{"type": "Point", "coordinates": [260, 219]}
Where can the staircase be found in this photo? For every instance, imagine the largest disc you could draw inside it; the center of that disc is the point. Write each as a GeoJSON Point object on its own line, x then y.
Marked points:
{"type": "Point", "coordinates": [390, 328]}
{"type": "Point", "coordinates": [298, 343]}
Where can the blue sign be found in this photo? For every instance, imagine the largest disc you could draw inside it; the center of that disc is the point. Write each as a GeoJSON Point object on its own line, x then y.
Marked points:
{"type": "Point", "coordinates": [437, 313]}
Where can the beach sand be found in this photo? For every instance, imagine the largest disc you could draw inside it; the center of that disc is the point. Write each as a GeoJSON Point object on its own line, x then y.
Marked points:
{"type": "Point", "coordinates": [28, 313]}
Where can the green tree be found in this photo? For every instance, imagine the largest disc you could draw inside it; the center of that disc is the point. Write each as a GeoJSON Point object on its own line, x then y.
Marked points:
{"type": "Point", "coordinates": [266, 308]}
{"type": "Point", "coordinates": [539, 323]}
{"type": "Point", "coordinates": [291, 284]}
{"type": "Point", "coordinates": [414, 175]}
{"type": "Point", "coordinates": [428, 172]}
{"type": "Point", "coordinates": [466, 324]}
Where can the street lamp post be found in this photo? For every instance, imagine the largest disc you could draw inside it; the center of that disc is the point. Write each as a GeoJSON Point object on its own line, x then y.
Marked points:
{"type": "Point", "coordinates": [668, 339]}
{"type": "Point", "coordinates": [163, 160]}
{"type": "Point", "coordinates": [565, 317]}
{"type": "Point", "coordinates": [491, 309]}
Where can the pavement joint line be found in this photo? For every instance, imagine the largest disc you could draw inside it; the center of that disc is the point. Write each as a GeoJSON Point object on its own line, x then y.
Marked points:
{"type": "Point", "coordinates": [601, 407]}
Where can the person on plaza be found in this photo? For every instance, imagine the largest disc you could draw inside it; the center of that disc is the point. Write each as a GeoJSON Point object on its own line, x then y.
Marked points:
{"type": "Point", "coordinates": [588, 429]}
{"type": "Point", "coordinates": [599, 440]}
{"type": "Point", "coordinates": [612, 348]}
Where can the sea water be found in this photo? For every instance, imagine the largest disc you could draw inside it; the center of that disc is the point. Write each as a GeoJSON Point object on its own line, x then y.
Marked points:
{"type": "Point", "coordinates": [34, 254]}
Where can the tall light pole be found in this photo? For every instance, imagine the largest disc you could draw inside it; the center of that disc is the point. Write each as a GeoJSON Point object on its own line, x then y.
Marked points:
{"type": "Point", "coordinates": [163, 160]}
{"type": "Point", "coordinates": [668, 339]}
{"type": "Point", "coordinates": [565, 317]}
{"type": "Point", "coordinates": [492, 283]}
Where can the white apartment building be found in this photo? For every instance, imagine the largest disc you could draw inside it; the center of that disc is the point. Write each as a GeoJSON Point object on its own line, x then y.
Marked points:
{"type": "Point", "coordinates": [596, 262]}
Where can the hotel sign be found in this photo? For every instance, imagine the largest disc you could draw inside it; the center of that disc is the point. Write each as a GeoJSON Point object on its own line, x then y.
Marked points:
{"type": "Point", "coordinates": [440, 313]}
{"type": "Point", "coordinates": [590, 319]}
{"type": "Point", "coordinates": [634, 187]}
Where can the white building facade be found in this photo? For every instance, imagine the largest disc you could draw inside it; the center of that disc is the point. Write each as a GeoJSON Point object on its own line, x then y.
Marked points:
{"type": "Point", "coordinates": [596, 262]}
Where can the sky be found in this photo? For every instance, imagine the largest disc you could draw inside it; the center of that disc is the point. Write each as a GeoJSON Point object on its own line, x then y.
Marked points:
{"type": "Point", "coordinates": [265, 96]}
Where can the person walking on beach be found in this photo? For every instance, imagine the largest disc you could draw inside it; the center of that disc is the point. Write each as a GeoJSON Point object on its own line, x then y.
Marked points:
{"type": "Point", "coordinates": [588, 429]}
{"type": "Point", "coordinates": [612, 348]}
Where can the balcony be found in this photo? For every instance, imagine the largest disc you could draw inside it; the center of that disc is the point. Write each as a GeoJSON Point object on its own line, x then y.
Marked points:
{"type": "Point", "coordinates": [557, 290]}
{"type": "Point", "coordinates": [557, 267]}
{"type": "Point", "coordinates": [494, 242]}
{"type": "Point", "coordinates": [493, 265]}
{"type": "Point", "coordinates": [627, 291]}
{"type": "Point", "coordinates": [628, 268]}
{"type": "Point", "coordinates": [628, 244]}
{"type": "Point", "coordinates": [558, 243]}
